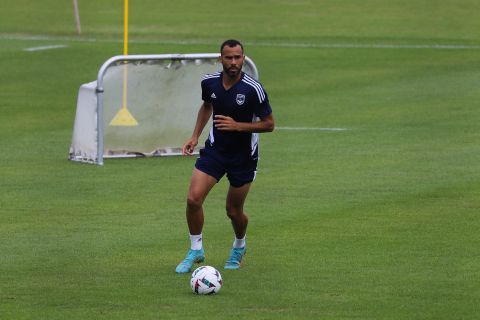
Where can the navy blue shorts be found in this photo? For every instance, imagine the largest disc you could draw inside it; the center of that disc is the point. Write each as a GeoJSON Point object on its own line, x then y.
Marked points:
{"type": "Point", "coordinates": [237, 175]}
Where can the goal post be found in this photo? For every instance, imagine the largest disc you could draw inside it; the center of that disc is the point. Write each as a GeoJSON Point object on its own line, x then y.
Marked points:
{"type": "Point", "coordinates": [157, 114]}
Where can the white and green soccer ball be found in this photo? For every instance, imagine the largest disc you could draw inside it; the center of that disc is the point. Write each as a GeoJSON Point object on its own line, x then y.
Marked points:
{"type": "Point", "coordinates": [206, 280]}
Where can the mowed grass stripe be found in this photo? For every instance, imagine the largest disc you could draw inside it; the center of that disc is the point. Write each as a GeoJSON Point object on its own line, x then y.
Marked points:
{"type": "Point", "coordinates": [268, 44]}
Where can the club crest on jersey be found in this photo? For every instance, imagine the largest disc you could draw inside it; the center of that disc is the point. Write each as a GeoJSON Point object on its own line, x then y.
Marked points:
{"type": "Point", "coordinates": [240, 99]}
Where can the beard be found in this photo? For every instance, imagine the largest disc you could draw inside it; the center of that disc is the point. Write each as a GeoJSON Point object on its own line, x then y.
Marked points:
{"type": "Point", "coordinates": [232, 74]}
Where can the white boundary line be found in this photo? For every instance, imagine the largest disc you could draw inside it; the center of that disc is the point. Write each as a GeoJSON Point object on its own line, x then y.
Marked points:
{"type": "Point", "coordinates": [307, 45]}
{"type": "Point", "coordinates": [46, 47]}
{"type": "Point", "coordinates": [303, 128]}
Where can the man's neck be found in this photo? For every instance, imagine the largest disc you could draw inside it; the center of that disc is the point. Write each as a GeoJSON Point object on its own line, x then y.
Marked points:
{"type": "Point", "coordinates": [229, 82]}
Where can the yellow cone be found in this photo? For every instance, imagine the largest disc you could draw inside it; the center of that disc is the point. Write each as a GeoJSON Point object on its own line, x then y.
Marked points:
{"type": "Point", "coordinates": [123, 118]}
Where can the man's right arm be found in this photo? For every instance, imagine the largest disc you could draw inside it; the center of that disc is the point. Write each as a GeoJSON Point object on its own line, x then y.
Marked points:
{"type": "Point", "coordinates": [204, 115]}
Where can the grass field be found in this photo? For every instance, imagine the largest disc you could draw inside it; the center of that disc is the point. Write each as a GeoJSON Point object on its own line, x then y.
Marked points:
{"type": "Point", "coordinates": [379, 221]}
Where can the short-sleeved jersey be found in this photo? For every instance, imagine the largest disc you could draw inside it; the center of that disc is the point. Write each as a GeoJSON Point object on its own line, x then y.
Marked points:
{"type": "Point", "coordinates": [243, 102]}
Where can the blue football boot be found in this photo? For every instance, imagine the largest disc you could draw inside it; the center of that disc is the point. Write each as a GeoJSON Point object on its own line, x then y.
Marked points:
{"type": "Point", "coordinates": [193, 256]}
{"type": "Point", "coordinates": [236, 258]}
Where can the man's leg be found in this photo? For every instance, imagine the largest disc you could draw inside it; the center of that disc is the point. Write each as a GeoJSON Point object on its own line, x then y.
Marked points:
{"type": "Point", "coordinates": [235, 201]}
{"type": "Point", "coordinates": [200, 186]}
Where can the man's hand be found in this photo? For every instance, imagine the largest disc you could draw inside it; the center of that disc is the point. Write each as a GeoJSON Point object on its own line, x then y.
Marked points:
{"type": "Point", "coordinates": [225, 123]}
{"type": "Point", "coordinates": [266, 124]}
{"type": "Point", "coordinates": [189, 145]}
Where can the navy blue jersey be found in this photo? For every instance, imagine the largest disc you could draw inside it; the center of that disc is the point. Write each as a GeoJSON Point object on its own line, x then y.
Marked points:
{"type": "Point", "coordinates": [243, 102]}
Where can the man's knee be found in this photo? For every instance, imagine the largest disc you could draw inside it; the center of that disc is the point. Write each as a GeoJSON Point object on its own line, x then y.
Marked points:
{"type": "Point", "coordinates": [194, 203]}
{"type": "Point", "coordinates": [234, 211]}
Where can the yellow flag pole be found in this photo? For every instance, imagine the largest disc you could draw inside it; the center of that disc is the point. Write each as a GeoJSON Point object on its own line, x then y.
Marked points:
{"type": "Point", "coordinates": [125, 52]}
{"type": "Point", "coordinates": [123, 117]}
{"type": "Point", "coordinates": [125, 30]}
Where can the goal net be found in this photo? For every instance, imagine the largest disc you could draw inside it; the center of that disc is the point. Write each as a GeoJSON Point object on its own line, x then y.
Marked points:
{"type": "Point", "coordinates": [142, 105]}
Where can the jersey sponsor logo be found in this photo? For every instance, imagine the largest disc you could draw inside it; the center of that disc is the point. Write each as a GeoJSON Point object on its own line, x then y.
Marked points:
{"type": "Point", "coordinates": [213, 95]}
{"type": "Point", "coordinates": [240, 99]}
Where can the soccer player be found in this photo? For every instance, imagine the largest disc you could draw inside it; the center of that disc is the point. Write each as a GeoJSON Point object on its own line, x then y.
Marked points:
{"type": "Point", "coordinates": [236, 101]}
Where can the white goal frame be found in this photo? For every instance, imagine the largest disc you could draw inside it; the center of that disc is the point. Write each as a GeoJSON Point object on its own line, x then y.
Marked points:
{"type": "Point", "coordinates": [122, 59]}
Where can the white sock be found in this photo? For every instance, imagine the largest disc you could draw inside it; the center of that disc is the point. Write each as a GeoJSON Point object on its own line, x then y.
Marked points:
{"type": "Point", "coordinates": [239, 243]}
{"type": "Point", "coordinates": [196, 242]}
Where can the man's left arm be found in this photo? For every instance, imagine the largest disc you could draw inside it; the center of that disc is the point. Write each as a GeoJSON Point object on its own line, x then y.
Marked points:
{"type": "Point", "coordinates": [266, 124]}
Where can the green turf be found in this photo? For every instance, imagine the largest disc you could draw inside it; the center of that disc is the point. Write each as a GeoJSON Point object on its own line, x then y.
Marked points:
{"type": "Point", "coordinates": [377, 221]}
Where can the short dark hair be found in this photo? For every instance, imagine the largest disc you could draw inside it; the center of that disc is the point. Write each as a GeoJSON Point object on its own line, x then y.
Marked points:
{"type": "Point", "coordinates": [232, 44]}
